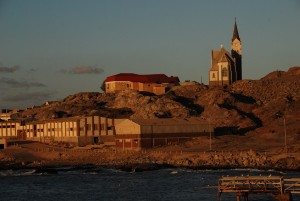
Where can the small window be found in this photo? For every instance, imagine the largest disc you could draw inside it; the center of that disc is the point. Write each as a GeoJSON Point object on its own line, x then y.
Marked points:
{"type": "Point", "coordinates": [224, 72]}
{"type": "Point", "coordinates": [213, 75]}
{"type": "Point", "coordinates": [102, 126]}
{"type": "Point", "coordinates": [88, 127]}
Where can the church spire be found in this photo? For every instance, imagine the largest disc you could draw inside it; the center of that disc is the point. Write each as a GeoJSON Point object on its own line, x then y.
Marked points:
{"type": "Point", "coordinates": [235, 32]}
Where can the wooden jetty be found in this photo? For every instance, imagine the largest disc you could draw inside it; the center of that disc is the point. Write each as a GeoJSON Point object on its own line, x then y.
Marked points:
{"type": "Point", "coordinates": [281, 188]}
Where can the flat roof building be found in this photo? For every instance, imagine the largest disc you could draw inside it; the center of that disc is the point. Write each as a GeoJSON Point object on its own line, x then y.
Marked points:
{"type": "Point", "coordinates": [148, 133]}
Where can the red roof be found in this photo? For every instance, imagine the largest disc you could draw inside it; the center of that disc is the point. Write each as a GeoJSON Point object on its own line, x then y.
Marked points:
{"type": "Point", "coordinates": [150, 78]}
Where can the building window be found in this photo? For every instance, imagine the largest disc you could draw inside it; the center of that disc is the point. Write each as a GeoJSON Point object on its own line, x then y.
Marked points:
{"type": "Point", "coordinates": [224, 72]}
{"type": "Point", "coordinates": [213, 75]}
{"type": "Point", "coordinates": [88, 127]}
{"type": "Point", "coordinates": [103, 126]}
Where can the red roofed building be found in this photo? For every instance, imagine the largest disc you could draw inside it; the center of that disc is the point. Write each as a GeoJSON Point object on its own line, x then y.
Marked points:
{"type": "Point", "coordinates": [153, 83]}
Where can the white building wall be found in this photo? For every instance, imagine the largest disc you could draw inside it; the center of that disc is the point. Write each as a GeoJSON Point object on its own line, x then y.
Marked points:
{"type": "Point", "coordinates": [9, 129]}
{"type": "Point", "coordinates": [127, 127]}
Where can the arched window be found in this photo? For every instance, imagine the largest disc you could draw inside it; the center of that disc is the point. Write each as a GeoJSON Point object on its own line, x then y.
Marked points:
{"type": "Point", "coordinates": [224, 72]}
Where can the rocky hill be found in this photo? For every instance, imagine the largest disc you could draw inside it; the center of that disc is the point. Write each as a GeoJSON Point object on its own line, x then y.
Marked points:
{"type": "Point", "coordinates": [247, 106]}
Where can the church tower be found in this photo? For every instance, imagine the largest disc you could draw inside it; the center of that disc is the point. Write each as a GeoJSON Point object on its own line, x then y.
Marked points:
{"type": "Point", "coordinates": [236, 53]}
{"type": "Point", "coordinates": [226, 68]}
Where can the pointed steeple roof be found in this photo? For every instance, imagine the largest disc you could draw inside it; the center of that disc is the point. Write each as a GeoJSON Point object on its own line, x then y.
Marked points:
{"type": "Point", "coordinates": [220, 56]}
{"type": "Point", "coordinates": [235, 32]}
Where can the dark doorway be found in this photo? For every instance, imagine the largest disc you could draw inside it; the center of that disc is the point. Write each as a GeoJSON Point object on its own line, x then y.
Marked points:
{"type": "Point", "coordinates": [96, 140]}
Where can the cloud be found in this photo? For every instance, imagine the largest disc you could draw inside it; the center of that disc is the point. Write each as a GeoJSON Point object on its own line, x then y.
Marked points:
{"type": "Point", "coordinates": [84, 70]}
{"type": "Point", "coordinates": [5, 69]}
{"type": "Point", "coordinates": [32, 96]}
{"type": "Point", "coordinates": [32, 70]}
{"type": "Point", "coordinates": [19, 84]}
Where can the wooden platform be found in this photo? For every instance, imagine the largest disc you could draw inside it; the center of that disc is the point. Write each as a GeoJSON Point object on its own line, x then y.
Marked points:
{"type": "Point", "coordinates": [281, 188]}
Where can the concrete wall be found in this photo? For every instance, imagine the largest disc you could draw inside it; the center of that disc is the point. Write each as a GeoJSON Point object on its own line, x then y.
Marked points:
{"type": "Point", "coordinates": [9, 129]}
{"type": "Point", "coordinates": [3, 143]}
{"type": "Point", "coordinates": [158, 89]}
{"type": "Point", "coordinates": [81, 130]}
{"type": "Point", "coordinates": [127, 127]}
{"type": "Point", "coordinates": [59, 128]}
{"type": "Point", "coordinates": [111, 87]}
{"type": "Point", "coordinates": [131, 135]}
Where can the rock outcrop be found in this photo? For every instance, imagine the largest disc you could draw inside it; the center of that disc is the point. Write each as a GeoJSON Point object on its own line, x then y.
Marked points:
{"type": "Point", "coordinates": [245, 106]}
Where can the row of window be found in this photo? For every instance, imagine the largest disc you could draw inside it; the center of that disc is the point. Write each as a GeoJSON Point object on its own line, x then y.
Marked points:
{"type": "Point", "coordinates": [88, 127]}
{"type": "Point", "coordinates": [224, 73]}
{"type": "Point", "coordinates": [96, 127]}
{"type": "Point", "coordinates": [127, 140]}
{"type": "Point", "coordinates": [49, 130]}
{"type": "Point", "coordinates": [128, 85]}
{"type": "Point", "coordinates": [8, 126]}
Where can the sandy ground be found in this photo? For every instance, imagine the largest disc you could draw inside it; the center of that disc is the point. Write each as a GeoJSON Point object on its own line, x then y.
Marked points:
{"type": "Point", "coordinates": [226, 152]}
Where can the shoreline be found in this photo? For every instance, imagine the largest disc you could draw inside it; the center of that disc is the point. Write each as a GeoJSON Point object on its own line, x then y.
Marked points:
{"type": "Point", "coordinates": [147, 160]}
{"type": "Point", "coordinates": [53, 169]}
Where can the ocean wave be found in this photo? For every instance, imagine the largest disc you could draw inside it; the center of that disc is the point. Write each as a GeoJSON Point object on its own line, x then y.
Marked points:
{"type": "Point", "coordinates": [5, 173]}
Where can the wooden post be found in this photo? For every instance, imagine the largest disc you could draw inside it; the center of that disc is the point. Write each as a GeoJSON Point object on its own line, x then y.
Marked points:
{"type": "Point", "coordinates": [284, 197]}
{"type": "Point", "coordinates": [240, 195]}
{"type": "Point", "coordinates": [219, 196]}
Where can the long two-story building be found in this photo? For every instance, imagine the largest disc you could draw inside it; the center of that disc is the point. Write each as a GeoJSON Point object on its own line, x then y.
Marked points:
{"type": "Point", "coordinates": [133, 134]}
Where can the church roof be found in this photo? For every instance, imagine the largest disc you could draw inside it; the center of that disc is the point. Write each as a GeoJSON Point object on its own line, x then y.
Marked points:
{"type": "Point", "coordinates": [149, 78]}
{"type": "Point", "coordinates": [235, 33]}
{"type": "Point", "coordinates": [220, 56]}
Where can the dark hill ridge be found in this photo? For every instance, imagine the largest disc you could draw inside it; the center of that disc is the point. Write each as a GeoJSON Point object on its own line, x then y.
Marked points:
{"type": "Point", "coordinates": [247, 105]}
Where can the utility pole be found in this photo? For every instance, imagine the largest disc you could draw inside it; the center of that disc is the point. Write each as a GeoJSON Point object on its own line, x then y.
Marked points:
{"type": "Point", "coordinates": [209, 135]}
{"type": "Point", "coordinates": [285, 141]}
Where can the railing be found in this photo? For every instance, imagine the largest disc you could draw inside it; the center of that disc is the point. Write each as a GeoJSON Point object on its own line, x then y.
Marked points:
{"type": "Point", "coordinates": [245, 185]}
{"type": "Point", "coordinates": [251, 184]}
{"type": "Point", "coordinates": [292, 185]}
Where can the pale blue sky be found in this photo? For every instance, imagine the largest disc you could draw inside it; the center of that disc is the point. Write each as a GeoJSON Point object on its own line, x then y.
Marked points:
{"type": "Point", "coordinates": [50, 49]}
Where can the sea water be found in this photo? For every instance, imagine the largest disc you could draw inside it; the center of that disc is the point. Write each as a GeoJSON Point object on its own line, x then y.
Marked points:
{"type": "Point", "coordinates": [86, 184]}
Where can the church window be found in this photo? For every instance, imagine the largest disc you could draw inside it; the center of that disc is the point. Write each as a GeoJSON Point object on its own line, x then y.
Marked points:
{"type": "Point", "coordinates": [224, 72]}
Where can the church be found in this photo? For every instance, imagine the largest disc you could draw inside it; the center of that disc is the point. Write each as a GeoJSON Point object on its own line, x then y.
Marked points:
{"type": "Point", "coordinates": [226, 68]}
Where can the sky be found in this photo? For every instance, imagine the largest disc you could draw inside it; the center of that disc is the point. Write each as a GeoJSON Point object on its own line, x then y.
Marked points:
{"type": "Point", "coordinates": [52, 49]}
